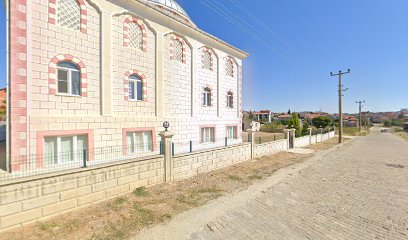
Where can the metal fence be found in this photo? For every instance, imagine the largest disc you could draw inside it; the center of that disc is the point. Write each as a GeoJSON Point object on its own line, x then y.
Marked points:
{"type": "Point", "coordinates": [32, 165]}
{"type": "Point", "coordinates": [180, 147]}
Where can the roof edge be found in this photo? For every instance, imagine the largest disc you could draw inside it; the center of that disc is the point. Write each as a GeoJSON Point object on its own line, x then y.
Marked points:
{"type": "Point", "coordinates": [185, 28]}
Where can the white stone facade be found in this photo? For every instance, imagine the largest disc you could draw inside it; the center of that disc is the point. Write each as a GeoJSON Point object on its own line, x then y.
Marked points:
{"type": "Point", "coordinates": [104, 112]}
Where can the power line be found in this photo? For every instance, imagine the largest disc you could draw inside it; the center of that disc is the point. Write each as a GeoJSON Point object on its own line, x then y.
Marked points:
{"type": "Point", "coordinates": [235, 20]}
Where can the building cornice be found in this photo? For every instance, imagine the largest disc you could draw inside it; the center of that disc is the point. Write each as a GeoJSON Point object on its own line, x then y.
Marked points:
{"type": "Point", "coordinates": [144, 10]}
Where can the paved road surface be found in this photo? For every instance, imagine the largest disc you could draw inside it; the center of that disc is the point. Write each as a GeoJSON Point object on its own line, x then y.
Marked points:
{"type": "Point", "coordinates": [357, 191]}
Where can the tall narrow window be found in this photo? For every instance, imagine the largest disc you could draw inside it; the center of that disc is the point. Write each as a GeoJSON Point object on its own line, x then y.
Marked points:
{"type": "Point", "coordinates": [178, 51]}
{"type": "Point", "coordinates": [207, 97]}
{"type": "Point", "coordinates": [207, 135]}
{"type": "Point", "coordinates": [229, 68]}
{"type": "Point", "coordinates": [207, 61]}
{"type": "Point", "coordinates": [135, 36]}
{"type": "Point", "coordinates": [65, 149]}
{"type": "Point", "coordinates": [230, 100]}
{"type": "Point", "coordinates": [135, 88]}
{"type": "Point", "coordinates": [69, 78]}
{"type": "Point", "coordinates": [69, 14]}
{"type": "Point", "coordinates": [139, 142]}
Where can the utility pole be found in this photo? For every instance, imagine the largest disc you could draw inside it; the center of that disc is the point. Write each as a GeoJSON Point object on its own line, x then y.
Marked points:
{"type": "Point", "coordinates": [360, 105]}
{"type": "Point", "coordinates": [341, 90]}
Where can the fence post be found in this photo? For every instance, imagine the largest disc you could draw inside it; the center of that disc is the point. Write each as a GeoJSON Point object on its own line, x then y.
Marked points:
{"type": "Point", "coordinates": [286, 133]}
{"type": "Point", "coordinates": [191, 146]}
{"type": "Point", "coordinates": [251, 139]}
{"type": "Point", "coordinates": [292, 137]}
{"type": "Point", "coordinates": [84, 157]}
{"type": "Point", "coordinates": [274, 137]}
{"type": "Point", "coordinates": [172, 149]}
{"type": "Point", "coordinates": [310, 135]}
{"type": "Point", "coordinates": [161, 147]}
{"type": "Point", "coordinates": [167, 148]}
{"type": "Point", "coordinates": [321, 134]}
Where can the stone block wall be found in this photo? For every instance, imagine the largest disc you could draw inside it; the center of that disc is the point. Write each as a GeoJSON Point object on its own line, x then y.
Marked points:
{"type": "Point", "coordinates": [188, 165]}
{"type": "Point", "coordinates": [33, 199]}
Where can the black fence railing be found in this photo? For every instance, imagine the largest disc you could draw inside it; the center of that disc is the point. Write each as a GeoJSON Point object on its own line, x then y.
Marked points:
{"type": "Point", "coordinates": [55, 160]}
{"type": "Point", "coordinates": [180, 147]}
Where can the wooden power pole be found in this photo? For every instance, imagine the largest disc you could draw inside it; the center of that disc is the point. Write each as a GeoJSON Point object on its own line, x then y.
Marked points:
{"type": "Point", "coordinates": [341, 90]}
{"type": "Point", "coordinates": [360, 105]}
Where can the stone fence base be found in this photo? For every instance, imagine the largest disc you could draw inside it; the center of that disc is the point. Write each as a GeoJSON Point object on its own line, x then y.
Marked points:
{"type": "Point", "coordinates": [25, 201]}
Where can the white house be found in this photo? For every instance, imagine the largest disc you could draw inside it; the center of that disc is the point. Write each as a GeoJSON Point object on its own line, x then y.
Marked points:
{"type": "Point", "coordinates": [91, 75]}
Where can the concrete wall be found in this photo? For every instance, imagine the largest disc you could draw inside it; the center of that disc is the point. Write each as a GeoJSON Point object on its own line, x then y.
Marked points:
{"type": "Point", "coordinates": [302, 141]}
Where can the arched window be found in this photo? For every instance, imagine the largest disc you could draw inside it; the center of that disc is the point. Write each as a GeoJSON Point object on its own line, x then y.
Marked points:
{"type": "Point", "coordinates": [229, 68]}
{"type": "Point", "coordinates": [69, 78]}
{"type": "Point", "coordinates": [135, 36]}
{"type": "Point", "coordinates": [177, 51]}
{"type": "Point", "coordinates": [207, 97]}
{"type": "Point", "coordinates": [69, 14]}
{"type": "Point", "coordinates": [230, 100]}
{"type": "Point", "coordinates": [135, 88]}
{"type": "Point", "coordinates": [207, 61]}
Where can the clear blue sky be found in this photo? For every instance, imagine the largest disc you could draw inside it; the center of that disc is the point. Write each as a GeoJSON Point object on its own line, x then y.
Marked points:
{"type": "Point", "coordinates": [294, 44]}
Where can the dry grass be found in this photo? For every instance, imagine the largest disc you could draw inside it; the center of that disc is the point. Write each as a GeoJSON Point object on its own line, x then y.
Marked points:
{"type": "Point", "coordinates": [353, 131]}
{"type": "Point", "coordinates": [124, 216]}
{"type": "Point", "coordinates": [403, 135]}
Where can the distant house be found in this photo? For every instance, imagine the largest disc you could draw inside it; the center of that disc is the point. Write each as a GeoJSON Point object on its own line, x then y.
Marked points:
{"type": "Point", "coordinates": [350, 121]}
{"type": "Point", "coordinates": [263, 116]}
{"type": "Point", "coordinates": [285, 117]}
{"type": "Point", "coordinates": [3, 97]}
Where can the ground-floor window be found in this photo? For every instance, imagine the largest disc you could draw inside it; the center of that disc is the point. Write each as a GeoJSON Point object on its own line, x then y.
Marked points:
{"type": "Point", "coordinates": [64, 149]}
{"type": "Point", "coordinates": [139, 142]}
{"type": "Point", "coordinates": [207, 135]}
{"type": "Point", "coordinates": [232, 132]}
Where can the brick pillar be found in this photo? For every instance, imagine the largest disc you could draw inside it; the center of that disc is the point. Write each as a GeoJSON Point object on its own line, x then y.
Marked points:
{"type": "Point", "coordinates": [286, 133]}
{"type": "Point", "coordinates": [167, 141]}
{"type": "Point", "coordinates": [310, 135]}
{"type": "Point", "coordinates": [252, 141]}
{"type": "Point", "coordinates": [292, 136]}
{"type": "Point", "coordinates": [321, 134]}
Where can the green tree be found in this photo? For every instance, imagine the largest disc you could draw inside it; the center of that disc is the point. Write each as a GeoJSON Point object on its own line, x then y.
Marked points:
{"type": "Point", "coordinates": [305, 130]}
{"type": "Point", "coordinates": [295, 122]}
{"type": "Point", "coordinates": [387, 123]}
{"type": "Point", "coordinates": [251, 115]}
{"type": "Point", "coordinates": [322, 121]}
